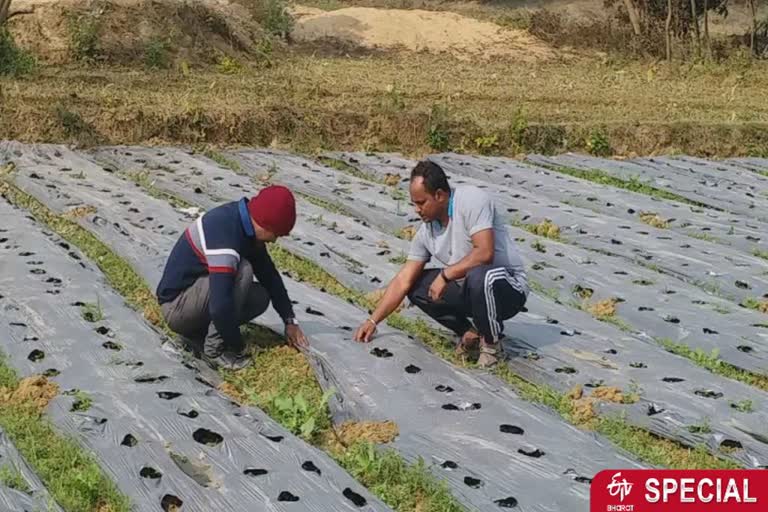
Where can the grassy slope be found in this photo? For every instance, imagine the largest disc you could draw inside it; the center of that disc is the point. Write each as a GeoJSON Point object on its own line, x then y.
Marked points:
{"type": "Point", "coordinates": [336, 102]}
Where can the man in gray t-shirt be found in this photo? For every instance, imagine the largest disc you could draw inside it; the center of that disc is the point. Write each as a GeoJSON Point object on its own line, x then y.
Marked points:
{"type": "Point", "coordinates": [462, 265]}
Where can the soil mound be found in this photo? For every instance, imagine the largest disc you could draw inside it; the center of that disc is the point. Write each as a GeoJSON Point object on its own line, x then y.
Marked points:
{"type": "Point", "coordinates": [417, 31]}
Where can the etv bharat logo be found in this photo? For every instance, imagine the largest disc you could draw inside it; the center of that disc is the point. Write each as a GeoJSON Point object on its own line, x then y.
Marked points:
{"type": "Point", "coordinates": [622, 488]}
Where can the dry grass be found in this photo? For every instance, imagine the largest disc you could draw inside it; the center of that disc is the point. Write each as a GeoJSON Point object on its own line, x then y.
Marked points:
{"type": "Point", "coordinates": [376, 295]}
{"type": "Point", "coordinates": [376, 432]}
{"type": "Point", "coordinates": [386, 102]}
{"type": "Point", "coordinates": [756, 304]}
{"type": "Point", "coordinates": [545, 228]}
{"type": "Point", "coordinates": [79, 212]}
{"type": "Point", "coordinates": [337, 440]}
{"type": "Point", "coordinates": [280, 370]}
{"type": "Point", "coordinates": [407, 233]}
{"type": "Point", "coordinates": [583, 405]}
{"type": "Point", "coordinates": [653, 219]}
{"type": "Point", "coordinates": [602, 309]}
{"type": "Point", "coordinates": [35, 391]}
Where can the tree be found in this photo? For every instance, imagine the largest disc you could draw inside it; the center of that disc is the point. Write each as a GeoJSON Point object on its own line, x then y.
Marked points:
{"type": "Point", "coordinates": [695, 23]}
{"type": "Point", "coordinates": [753, 32]}
{"type": "Point", "coordinates": [5, 10]}
{"type": "Point", "coordinates": [707, 42]}
{"type": "Point", "coordinates": [6, 13]}
{"type": "Point", "coordinates": [668, 20]}
{"type": "Point", "coordinates": [634, 16]}
{"type": "Point", "coordinates": [668, 30]}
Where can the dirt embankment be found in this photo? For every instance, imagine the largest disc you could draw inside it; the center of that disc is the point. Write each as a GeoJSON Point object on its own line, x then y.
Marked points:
{"type": "Point", "coordinates": [168, 32]}
{"type": "Point", "coordinates": [162, 32]}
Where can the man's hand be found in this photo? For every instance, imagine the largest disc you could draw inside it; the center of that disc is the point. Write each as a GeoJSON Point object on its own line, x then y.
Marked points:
{"type": "Point", "coordinates": [296, 336]}
{"type": "Point", "coordinates": [365, 331]}
{"type": "Point", "coordinates": [437, 289]}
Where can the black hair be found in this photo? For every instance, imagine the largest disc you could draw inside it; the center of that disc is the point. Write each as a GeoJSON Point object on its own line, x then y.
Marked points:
{"type": "Point", "coordinates": [433, 175]}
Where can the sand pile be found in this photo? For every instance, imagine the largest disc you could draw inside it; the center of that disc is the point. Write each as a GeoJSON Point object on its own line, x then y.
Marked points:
{"type": "Point", "coordinates": [417, 31]}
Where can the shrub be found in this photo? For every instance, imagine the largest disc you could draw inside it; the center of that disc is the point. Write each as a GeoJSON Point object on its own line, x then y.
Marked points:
{"type": "Point", "coordinates": [84, 33]}
{"type": "Point", "coordinates": [437, 135]}
{"type": "Point", "coordinates": [156, 54]}
{"type": "Point", "coordinates": [272, 15]}
{"type": "Point", "coordinates": [598, 145]}
{"type": "Point", "coordinates": [13, 60]}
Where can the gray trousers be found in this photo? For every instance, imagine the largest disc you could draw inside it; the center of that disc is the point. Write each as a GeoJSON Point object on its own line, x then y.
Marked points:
{"type": "Point", "coordinates": [188, 314]}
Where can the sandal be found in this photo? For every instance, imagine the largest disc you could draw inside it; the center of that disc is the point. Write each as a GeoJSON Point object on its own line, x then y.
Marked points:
{"type": "Point", "coordinates": [466, 344]}
{"type": "Point", "coordinates": [490, 353]}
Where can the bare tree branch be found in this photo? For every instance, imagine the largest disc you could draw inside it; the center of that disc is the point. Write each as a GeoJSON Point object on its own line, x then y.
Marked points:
{"type": "Point", "coordinates": [707, 42]}
{"type": "Point", "coordinates": [21, 12]}
{"type": "Point", "coordinates": [753, 32]}
{"type": "Point", "coordinates": [668, 30]}
{"type": "Point", "coordinates": [5, 7]}
{"type": "Point", "coordinates": [695, 21]}
{"type": "Point", "coordinates": [634, 17]}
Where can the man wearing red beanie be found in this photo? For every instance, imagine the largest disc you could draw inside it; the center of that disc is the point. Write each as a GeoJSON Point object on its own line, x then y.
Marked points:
{"type": "Point", "coordinates": [208, 290]}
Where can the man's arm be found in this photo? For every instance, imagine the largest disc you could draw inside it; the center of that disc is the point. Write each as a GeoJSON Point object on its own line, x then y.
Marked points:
{"type": "Point", "coordinates": [481, 254]}
{"type": "Point", "coordinates": [397, 289]}
{"type": "Point", "coordinates": [222, 261]}
{"type": "Point", "coordinates": [222, 306]}
{"type": "Point", "coordinates": [479, 219]}
{"type": "Point", "coordinates": [265, 271]}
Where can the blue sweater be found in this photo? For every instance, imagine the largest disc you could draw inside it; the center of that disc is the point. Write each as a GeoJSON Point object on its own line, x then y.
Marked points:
{"type": "Point", "coordinates": [213, 245]}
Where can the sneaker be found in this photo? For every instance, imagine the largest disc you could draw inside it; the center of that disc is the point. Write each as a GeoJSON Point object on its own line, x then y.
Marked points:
{"type": "Point", "coordinates": [490, 353]}
{"type": "Point", "coordinates": [229, 360]}
{"type": "Point", "coordinates": [213, 348]}
{"type": "Point", "coordinates": [191, 345]}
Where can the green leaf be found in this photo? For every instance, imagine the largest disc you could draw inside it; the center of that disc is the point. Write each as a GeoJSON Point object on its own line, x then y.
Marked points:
{"type": "Point", "coordinates": [308, 427]}
{"type": "Point", "coordinates": [327, 396]}
{"type": "Point", "coordinates": [301, 403]}
{"type": "Point", "coordinates": [284, 403]}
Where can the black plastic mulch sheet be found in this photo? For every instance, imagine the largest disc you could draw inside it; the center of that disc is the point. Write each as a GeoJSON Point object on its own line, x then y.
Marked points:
{"type": "Point", "coordinates": [494, 449]}
{"type": "Point", "coordinates": [562, 347]}
{"type": "Point", "coordinates": [737, 231]}
{"type": "Point", "coordinates": [729, 272]}
{"type": "Point", "coordinates": [727, 267]}
{"type": "Point", "coordinates": [341, 244]}
{"type": "Point", "coordinates": [732, 274]}
{"type": "Point", "coordinates": [754, 164]}
{"type": "Point", "coordinates": [34, 496]}
{"type": "Point", "coordinates": [684, 309]}
{"type": "Point", "coordinates": [573, 358]}
{"type": "Point", "coordinates": [653, 303]}
{"type": "Point", "coordinates": [719, 185]}
{"type": "Point", "coordinates": [163, 436]}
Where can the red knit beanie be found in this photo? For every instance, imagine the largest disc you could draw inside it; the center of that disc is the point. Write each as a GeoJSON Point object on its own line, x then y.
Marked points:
{"type": "Point", "coordinates": [274, 208]}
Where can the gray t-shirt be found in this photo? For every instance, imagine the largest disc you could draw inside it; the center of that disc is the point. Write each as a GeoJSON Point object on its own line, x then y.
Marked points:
{"type": "Point", "coordinates": [472, 210]}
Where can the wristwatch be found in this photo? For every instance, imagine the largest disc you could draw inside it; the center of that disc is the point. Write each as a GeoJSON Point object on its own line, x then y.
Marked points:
{"type": "Point", "coordinates": [291, 321]}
